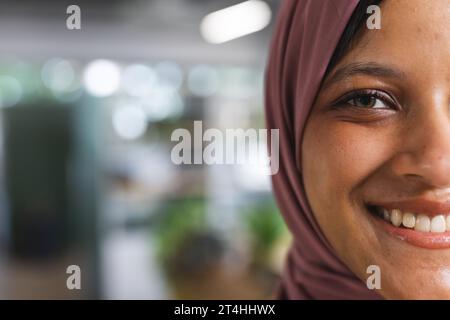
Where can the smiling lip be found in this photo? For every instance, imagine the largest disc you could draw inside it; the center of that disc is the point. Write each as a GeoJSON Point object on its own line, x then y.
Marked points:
{"type": "Point", "coordinates": [428, 240]}
{"type": "Point", "coordinates": [419, 239]}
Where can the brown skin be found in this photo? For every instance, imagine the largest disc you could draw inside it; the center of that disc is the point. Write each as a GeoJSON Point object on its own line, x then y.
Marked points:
{"type": "Point", "coordinates": [393, 149]}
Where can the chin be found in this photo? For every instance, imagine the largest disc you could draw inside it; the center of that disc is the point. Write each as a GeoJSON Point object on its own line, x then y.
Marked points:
{"type": "Point", "coordinates": [414, 260]}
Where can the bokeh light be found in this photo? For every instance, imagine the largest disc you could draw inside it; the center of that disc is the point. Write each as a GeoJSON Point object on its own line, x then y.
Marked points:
{"type": "Point", "coordinates": [102, 78]}
{"type": "Point", "coordinates": [129, 122]}
{"type": "Point", "coordinates": [169, 75]}
{"type": "Point", "coordinates": [138, 80]}
{"type": "Point", "coordinates": [10, 91]}
{"type": "Point", "coordinates": [163, 103]}
{"type": "Point", "coordinates": [203, 80]}
{"type": "Point", "coordinates": [58, 75]}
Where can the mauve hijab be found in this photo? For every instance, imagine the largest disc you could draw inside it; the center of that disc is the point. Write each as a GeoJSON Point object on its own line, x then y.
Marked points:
{"type": "Point", "coordinates": [306, 35]}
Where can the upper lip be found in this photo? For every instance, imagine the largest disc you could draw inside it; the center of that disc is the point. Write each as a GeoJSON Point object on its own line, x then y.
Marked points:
{"type": "Point", "coordinates": [419, 206]}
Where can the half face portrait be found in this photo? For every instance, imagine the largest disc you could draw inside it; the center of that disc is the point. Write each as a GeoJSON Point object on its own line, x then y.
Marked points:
{"type": "Point", "coordinates": [364, 115]}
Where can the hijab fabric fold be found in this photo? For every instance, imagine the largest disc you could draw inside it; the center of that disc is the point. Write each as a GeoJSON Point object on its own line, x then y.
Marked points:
{"type": "Point", "coordinates": [306, 35]}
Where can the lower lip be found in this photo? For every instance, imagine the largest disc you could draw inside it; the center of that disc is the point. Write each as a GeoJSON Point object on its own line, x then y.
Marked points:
{"type": "Point", "coordinates": [427, 240]}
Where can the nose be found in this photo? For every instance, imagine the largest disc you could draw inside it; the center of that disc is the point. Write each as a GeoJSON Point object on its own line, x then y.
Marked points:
{"type": "Point", "coordinates": [425, 154]}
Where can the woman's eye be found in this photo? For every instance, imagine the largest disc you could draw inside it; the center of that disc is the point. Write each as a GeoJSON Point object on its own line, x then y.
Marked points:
{"type": "Point", "coordinates": [368, 101]}
{"type": "Point", "coordinates": [365, 100]}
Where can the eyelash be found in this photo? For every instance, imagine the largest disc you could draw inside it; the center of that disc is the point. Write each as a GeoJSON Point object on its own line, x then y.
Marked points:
{"type": "Point", "coordinates": [377, 94]}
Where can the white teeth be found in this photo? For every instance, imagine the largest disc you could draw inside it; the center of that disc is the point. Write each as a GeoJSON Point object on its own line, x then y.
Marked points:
{"type": "Point", "coordinates": [418, 222]}
{"type": "Point", "coordinates": [409, 220]}
{"type": "Point", "coordinates": [423, 223]}
{"type": "Point", "coordinates": [438, 224]}
{"type": "Point", "coordinates": [396, 217]}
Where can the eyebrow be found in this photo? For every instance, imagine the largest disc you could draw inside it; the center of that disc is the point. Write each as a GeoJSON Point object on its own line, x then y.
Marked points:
{"type": "Point", "coordinates": [367, 68]}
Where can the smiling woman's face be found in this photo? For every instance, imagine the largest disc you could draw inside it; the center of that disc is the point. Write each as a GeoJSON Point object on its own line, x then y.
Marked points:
{"type": "Point", "coordinates": [377, 143]}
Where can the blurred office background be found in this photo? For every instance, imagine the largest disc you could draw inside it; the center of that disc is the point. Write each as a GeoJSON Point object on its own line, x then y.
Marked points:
{"type": "Point", "coordinates": [86, 176]}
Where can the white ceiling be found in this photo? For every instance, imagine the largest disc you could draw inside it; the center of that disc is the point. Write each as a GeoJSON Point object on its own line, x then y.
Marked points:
{"type": "Point", "coordinates": [125, 30]}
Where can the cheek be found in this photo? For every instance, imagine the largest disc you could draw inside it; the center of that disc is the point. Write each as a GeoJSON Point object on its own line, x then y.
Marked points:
{"type": "Point", "coordinates": [338, 157]}
{"type": "Point", "coordinates": [337, 160]}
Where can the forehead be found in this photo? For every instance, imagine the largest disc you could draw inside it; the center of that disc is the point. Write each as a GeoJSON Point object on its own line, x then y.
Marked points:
{"type": "Point", "coordinates": [414, 35]}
